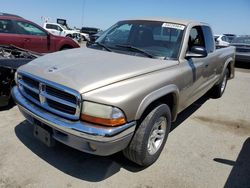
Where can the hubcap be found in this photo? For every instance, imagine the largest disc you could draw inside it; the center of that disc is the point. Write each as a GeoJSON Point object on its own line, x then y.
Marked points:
{"type": "Point", "coordinates": [157, 135]}
{"type": "Point", "coordinates": [223, 85]}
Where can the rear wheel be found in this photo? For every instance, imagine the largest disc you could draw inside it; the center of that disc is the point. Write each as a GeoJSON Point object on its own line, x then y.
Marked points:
{"type": "Point", "coordinates": [150, 137]}
{"type": "Point", "coordinates": [219, 89]}
{"type": "Point", "coordinates": [65, 48]}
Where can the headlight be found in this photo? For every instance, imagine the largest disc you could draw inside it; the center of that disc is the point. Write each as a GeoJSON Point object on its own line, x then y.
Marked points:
{"type": "Point", "coordinates": [102, 114]}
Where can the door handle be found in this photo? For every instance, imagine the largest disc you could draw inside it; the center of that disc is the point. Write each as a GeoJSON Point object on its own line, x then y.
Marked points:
{"type": "Point", "coordinates": [206, 65]}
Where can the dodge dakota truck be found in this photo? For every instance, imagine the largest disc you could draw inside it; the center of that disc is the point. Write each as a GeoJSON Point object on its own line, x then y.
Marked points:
{"type": "Point", "coordinates": [122, 92]}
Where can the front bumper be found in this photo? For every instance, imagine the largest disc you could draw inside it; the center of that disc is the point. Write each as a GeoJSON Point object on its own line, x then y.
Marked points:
{"type": "Point", "coordinates": [77, 134]}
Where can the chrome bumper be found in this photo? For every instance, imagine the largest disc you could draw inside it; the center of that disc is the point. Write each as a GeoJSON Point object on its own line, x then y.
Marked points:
{"type": "Point", "coordinates": [78, 134]}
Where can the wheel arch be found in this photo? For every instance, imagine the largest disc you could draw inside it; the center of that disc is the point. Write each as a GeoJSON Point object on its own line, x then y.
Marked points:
{"type": "Point", "coordinates": [229, 64]}
{"type": "Point", "coordinates": [66, 46]}
{"type": "Point", "coordinates": [168, 95]}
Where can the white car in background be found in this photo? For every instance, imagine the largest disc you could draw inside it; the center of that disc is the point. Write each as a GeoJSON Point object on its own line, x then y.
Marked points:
{"type": "Point", "coordinates": [61, 30]}
{"type": "Point", "coordinates": [221, 40]}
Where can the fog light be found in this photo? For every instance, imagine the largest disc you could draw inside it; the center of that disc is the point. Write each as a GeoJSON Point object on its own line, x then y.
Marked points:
{"type": "Point", "coordinates": [92, 146]}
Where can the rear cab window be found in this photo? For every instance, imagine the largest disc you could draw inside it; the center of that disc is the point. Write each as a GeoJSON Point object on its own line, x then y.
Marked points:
{"type": "Point", "coordinates": [29, 29]}
{"type": "Point", "coordinates": [209, 42]}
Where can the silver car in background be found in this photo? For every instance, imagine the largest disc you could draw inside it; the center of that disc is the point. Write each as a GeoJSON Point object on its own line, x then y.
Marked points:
{"type": "Point", "coordinates": [242, 44]}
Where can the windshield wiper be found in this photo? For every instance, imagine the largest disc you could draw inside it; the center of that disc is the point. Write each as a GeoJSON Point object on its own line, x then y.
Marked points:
{"type": "Point", "coordinates": [135, 49]}
{"type": "Point", "coordinates": [103, 46]}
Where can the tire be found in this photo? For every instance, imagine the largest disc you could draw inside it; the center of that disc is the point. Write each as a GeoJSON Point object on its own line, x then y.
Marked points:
{"type": "Point", "coordinates": [139, 150]}
{"type": "Point", "coordinates": [219, 89]}
{"type": "Point", "coordinates": [65, 48]}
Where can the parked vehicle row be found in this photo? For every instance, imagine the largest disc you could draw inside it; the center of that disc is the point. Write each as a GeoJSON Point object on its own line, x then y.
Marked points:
{"type": "Point", "coordinates": [221, 41]}
{"type": "Point", "coordinates": [92, 32]}
{"type": "Point", "coordinates": [61, 30]}
{"type": "Point", "coordinates": [242, 44]}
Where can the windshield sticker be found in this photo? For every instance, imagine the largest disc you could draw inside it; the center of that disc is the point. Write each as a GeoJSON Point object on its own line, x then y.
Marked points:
{"type": "Point", "coordinates": [173, 26]}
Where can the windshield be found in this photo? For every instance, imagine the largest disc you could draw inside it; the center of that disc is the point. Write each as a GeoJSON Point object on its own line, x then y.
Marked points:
{"type": "Point", "coordinates": [150, 38]}
{"type": "Point", "coordinates": [243, 40]}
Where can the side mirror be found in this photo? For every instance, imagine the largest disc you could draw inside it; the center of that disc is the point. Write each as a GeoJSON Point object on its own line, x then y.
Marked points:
{"type": "Point", "coordinates": [197, 52]}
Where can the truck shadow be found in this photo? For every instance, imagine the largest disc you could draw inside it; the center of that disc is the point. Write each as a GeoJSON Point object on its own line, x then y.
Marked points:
{"type": "Point", "coordinates": [240, 174]}
{"type": "Point", "coordinates": [73, 162]}
{"type": "Point", "coordinates": [243, 65]}
{"type": "Point", "coordinates": [82, 165]}
{"type": "Point", "coordinates": [189, 111]}
{"type": "Point", "coordinates": [7, 107]}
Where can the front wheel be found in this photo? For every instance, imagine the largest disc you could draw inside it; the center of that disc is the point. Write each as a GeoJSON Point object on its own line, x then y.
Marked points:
{"type": "Point", "coordinates": [150, 137]}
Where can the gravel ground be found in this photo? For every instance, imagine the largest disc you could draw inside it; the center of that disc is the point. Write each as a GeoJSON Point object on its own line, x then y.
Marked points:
{"type": "Point", "coordinates": [209, 146]}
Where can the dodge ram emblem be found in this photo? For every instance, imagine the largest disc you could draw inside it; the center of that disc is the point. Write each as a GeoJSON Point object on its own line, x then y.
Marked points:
{"type": "Point", "coordinates": [52, 69]}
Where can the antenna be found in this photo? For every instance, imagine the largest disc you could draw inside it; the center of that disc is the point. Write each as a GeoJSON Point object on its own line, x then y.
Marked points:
{"type": "Point", "coordinates": [83, 7]}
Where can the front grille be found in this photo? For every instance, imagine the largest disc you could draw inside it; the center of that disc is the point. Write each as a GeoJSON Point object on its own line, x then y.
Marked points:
{"type": "Point", "coordinates": [31, 82]}
{"type": "Point", "coordinates": [32, 94]}
{"type": "Point", "coordinates": [61, 107]}
{"type": "Point", "coordinates": [53, 97]}
{"type": "Point", "coordinates": [62, 95]}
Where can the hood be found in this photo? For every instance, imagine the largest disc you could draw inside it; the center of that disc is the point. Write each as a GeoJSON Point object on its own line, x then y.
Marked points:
{"type": "Point", "coordinates": [86, 69]}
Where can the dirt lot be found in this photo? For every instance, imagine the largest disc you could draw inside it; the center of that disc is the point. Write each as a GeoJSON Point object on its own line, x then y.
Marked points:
{"type": "Point", "coordinates": [209, 146]}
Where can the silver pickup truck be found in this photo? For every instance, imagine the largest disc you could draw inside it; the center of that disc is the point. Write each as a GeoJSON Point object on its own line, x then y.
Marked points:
{"type": "Point", "coordinates": [122, 92]}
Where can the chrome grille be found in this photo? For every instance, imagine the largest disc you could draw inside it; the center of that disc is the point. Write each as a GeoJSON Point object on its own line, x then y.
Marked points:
{"type": "Point", "coordinates": [53, 97]}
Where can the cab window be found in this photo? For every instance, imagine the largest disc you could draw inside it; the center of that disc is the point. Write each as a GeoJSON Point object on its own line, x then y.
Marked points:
{"type": "Point", "coordinates": [29, 29]}
{"type": "Point", "coordinates": [196, 37]}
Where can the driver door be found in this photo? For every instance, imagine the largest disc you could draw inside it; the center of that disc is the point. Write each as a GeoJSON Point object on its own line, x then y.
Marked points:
{"type": "Point", "coordinates": [33, 37]}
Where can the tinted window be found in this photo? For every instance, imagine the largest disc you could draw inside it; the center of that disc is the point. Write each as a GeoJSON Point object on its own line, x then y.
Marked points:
{"type": "Point", "coordinates": [6, 26]}
{"type": "Point", "coordinates": [208, 38]}
{"type": "Point", "coordinates": [52, 26]}
{"type": "Point", "coordinates": [196, 37]}
{"type": "Point", "coordinates": [243, 40]}
{"type": "Point", "coordinates": [227, 40]}
{"type": "Point", "coordinates": [89, 30]}
{"type": "Point", "coordinates": [29, 29]}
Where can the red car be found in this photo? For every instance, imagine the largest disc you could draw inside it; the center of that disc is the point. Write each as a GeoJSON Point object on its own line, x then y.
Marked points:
{"type": "Point", "coordinates": [15, 30]}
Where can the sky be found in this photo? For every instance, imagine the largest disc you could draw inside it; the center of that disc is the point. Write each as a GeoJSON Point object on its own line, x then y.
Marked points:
{"type": "Point", "coordinates": [224, 16]}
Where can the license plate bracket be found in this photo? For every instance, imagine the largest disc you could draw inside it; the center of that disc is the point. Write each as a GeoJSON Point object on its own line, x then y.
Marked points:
{"type": "Point", "coordinates": [44, 135]}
